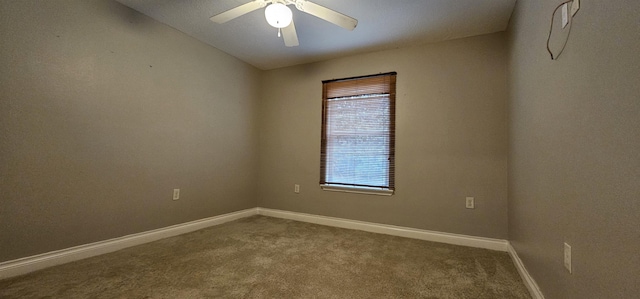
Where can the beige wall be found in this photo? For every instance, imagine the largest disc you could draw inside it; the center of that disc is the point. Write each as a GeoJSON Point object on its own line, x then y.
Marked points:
{"type": "Point", "coordinates": [574, 163]}
{"type": "Point", "coordinates": [103, 112]}
{"type": "Point", "coordinates": [451, 138]}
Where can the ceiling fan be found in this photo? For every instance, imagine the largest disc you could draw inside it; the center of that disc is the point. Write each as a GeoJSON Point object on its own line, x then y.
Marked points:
{"type": "Point", "coordinates": [279, 16]}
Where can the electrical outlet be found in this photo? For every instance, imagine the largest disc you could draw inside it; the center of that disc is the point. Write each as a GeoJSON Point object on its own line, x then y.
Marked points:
{"type": "Point", "coordinates": [176, 194]}
{"type": "Point", "coordinates": [470, 203]}
{"type": "Point", "coordinates": [567, 256]}
{"type": "Point", "coordinates": [296, 188]}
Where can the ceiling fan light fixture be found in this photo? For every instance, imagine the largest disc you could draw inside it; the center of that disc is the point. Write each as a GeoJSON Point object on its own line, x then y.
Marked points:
{"type": "Point", "coordinates": [278, 15]}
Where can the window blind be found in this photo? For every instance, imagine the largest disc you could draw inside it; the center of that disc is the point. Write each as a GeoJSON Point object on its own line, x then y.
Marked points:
{"type": "Point", "coordinates": [358, 132]}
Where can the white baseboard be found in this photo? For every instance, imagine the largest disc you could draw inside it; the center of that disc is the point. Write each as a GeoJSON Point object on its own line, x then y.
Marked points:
{"type": "Point", "coordinates": [45, 260]}
{"type": "Point", "coordinates": [531, 284]}
{"type": "Point", "coordinates": [456, 239]}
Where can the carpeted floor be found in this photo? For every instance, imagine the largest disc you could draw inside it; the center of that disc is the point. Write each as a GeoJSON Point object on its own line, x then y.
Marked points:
{"type": "Point", "coordinates": [263, 257]}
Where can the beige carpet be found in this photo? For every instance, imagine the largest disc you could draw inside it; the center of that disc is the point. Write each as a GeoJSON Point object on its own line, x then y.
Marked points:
{"type": "Point", "coordinates": [263, 257]}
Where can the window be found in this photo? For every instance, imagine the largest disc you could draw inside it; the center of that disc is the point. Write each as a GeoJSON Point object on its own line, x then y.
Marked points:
{"type": "Point", "coordinates": [358, 134]}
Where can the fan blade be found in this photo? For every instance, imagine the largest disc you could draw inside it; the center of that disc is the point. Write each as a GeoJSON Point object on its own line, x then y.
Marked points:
{"type": "Point", "coordinates": [290, 36]}
{"type": "Point", "coordinates": [326, 14]}
{"type": "Point", "coordinates": [238, 11]}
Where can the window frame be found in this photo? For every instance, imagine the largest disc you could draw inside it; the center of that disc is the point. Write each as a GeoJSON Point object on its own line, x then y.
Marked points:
{"type": "Point", "coordinates": [390, 79]}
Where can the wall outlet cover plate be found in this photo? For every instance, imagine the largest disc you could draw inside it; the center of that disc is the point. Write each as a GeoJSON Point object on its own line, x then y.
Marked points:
{"type": "Point", "coordinates": [567, 257]}
{"type": "Point", "coordinates": [470, 203]}
{"type": "Point", "coordinates": [176, 194]}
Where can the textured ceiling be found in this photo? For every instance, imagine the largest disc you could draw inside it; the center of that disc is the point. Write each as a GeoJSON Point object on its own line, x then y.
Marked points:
{"type": "Point", "coordinates": [382, 24]}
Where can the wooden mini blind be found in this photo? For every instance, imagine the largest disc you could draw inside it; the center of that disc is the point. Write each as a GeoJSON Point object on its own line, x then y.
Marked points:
{"type": "Point", "coordinates": [358, 132]}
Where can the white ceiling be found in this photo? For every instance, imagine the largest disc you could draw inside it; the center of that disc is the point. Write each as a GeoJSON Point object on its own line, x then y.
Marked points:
{"type": "Point", "coordinates": [382, 24]}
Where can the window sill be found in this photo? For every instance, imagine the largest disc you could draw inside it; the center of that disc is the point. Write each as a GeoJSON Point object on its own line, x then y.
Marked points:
{"type": "Point", "coordinates": [359, 190]}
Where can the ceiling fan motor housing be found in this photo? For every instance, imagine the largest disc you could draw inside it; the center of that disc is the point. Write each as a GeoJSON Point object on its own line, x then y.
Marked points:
{"type": "Point", "coordinates": [278, 15]}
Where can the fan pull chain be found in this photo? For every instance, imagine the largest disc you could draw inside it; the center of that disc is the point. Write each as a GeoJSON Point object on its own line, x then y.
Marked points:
{"type": "Point", "coordinates": [278, 32]}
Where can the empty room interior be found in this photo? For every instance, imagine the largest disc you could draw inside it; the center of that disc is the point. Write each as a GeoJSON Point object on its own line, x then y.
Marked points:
{"type": "Point", "coordinates": [149, 151]}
